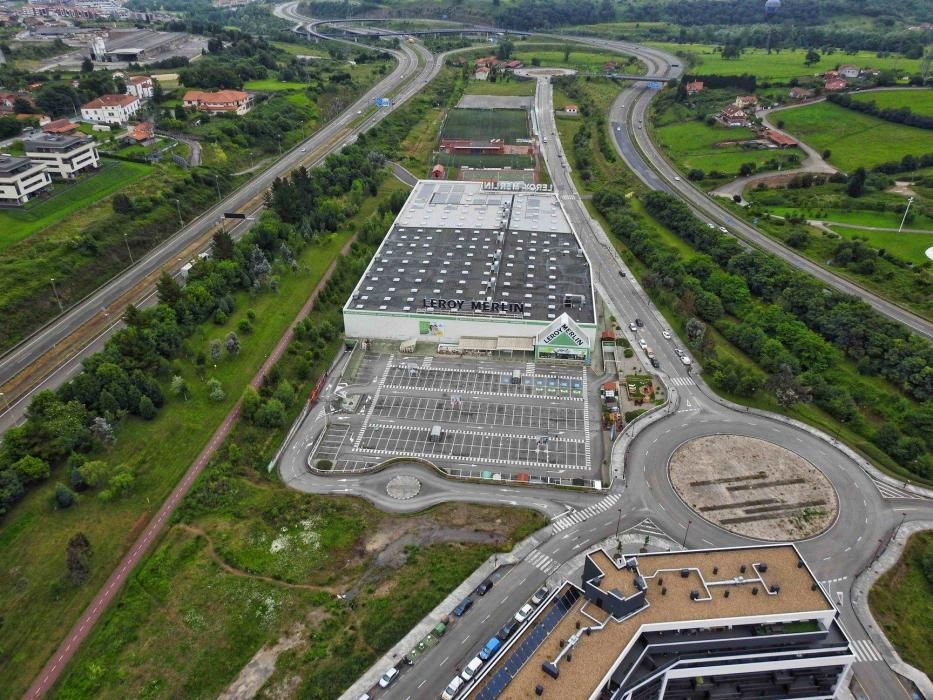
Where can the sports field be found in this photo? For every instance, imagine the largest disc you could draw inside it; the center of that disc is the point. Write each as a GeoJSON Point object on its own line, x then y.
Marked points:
{"type": "Point", "coordinates": [706, 60]}
{"type": "Point", "coordinates": [485, 161]}
{"type": "Point", "coordinates": [520, 88]}
{"type": "Point", "coordinates": [919, 101]}
{"type": "Point", "coordinates": [854, 139]}
{"type": "Point", "coordinates": [485, 124]}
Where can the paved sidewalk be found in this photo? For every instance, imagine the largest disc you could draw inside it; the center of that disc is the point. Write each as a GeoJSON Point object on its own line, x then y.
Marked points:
{"type": "Point", "coordinates": [442, 610]}
{"type": "Point", "coordinates": [862, 586]}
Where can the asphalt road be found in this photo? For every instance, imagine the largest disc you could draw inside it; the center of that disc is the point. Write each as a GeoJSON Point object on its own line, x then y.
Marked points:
{"type": "Point", "coordinates": [166, 256]}
{"type": "Point", "coordinates": [866, 519]}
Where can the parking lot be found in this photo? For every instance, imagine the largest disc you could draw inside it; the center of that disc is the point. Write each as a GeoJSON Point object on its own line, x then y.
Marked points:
{"type": "Point", "coordinates": [488, 416]}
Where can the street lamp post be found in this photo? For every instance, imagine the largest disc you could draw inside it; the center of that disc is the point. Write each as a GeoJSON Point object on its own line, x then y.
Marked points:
{"type": "Point", "coordinates": [178, 208]}
{"type": "Point", "coordinates": [6, 402]}
{"type": "Point", "coordinates": [57, 298]}
{"type": "Point", "coordinates": [684, 543]}
{"type": "Point", "coordinates": [128, 249]}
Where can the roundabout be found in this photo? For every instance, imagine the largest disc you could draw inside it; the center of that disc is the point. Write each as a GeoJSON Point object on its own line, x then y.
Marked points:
{"type": "Point", "coordinates": [753, 488]}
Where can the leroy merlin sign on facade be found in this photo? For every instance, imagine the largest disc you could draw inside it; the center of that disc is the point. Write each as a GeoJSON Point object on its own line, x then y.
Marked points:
{"type": "Point", "coordinates": [563, 340]}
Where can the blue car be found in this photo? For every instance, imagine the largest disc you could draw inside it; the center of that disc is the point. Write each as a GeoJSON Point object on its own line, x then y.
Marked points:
{"type": "Point", "coordinates": [463, 606]}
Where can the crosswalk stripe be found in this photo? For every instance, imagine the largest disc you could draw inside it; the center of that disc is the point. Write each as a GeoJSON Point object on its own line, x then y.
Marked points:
{"type": "Point", "coordinates": [865, 651]}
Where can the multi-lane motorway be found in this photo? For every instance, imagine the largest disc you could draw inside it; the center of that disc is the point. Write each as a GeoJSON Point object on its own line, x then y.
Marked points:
{"type": "Point", "coordinates": [61, 346]}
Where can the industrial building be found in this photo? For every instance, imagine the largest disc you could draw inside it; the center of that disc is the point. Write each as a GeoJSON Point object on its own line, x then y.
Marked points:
{"type": "Point", "coordinates": [479, 268]}
{"type": "Point", "coordinates": [744, 622]}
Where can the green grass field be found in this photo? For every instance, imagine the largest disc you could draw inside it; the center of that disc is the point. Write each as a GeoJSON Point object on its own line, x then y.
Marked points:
{"type": "Point", "coordinates": [520, 88]}
{"type": "Point", "coordinates": [36, 605]}
{"type": "Point", "coordinates": [919, 101]}
{"type": "Point", "coordinates": [272, 85]}
{"type": "Point", "coordinates": [693, 144]}
{"type": "Point", "coordinates": [485, 124]}
{"type": "Point", "coordinates": [902, 603]}
{"type": "Point", "coordinates": [854, 139]}
{"type": "Point", "coordinates": [67, 198]}
{"type": "Point", "coordinates": [856, 217]}
{"type": "Point", "coordinates": [581, 59]}
{"type": "Point", "coordinates": [301, 49]}
{"type": "Point", "coordinates": [489, 161]}
{"type": "Point", "coordinates": [778, 66]}
{"type": "Point", "coordinates": [911, 247]}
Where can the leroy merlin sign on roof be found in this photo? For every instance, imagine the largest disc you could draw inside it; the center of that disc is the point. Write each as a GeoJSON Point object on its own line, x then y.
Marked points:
{"type": "Point", "coordinates": [563, 332]}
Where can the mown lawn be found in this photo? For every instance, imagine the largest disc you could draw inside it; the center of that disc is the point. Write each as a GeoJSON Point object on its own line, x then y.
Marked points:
{"type": "Point", "coordinates": [902, 603]}
{"type": "Point", "coordinates": [269, 85]}
{"type": "Point", "coordinates": [857, 217]}
{"type": "Point", "coordinates": [781, 65]}
{"type": "Point", "coordinates": [854, 139]}
{"type": "Point", "coordinates": [67, 198]}
{"type": "Point", "coordinates": [919, 101]}
{"type": "Point", "coordinates": [520, 88]}
{"type": "Point", "coordinates": [582, 59]}
{"type": "Point", "coordinates": [694, 144]}
{"type": "Point", "coordinates": [36, 603]}
{"type": "Point", "coordinates": [911, 247]}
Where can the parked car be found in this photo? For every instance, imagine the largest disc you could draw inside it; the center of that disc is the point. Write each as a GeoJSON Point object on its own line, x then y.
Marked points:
{"type": "Point", "coordinates": [622, 273]}
{"type": "Point", "coordinates": [488, 651]}
{"type": "Point", "coordinates": [539, 597]}
{"type": "Point", "coordinates": [655, 363]}
{"type": "Point", "coordinates": [471, 668]}
{"type": "Point", "coordinates": [453, 688]}
{"type": "Point", "coordinates": [507, 630]}
{"type": "Point", "coordinates": [666, 335]}
{"type": "Point", "coordinates": [632, 327]}
{"type": "Point", "coordinates": [686, 360]}
{"type": "Point", "coordinates": [710, 225]}
{"type": "Point", "coordinates": [388, 678]}
{"type": "Point", "coordinates": [523, 613]}
{"type": "Point", "coordinates": [678, 352]}
{"type": "Point", "coordinates": [639, 323]}
{"type": "Point", "coordinates": [483, 588]}
{"type": "Point", "coordinates": [463, 606]}
{"type": "Point", "coordinates": [642, 343]}
{"type": "Point", "coordinates": [723, 229]}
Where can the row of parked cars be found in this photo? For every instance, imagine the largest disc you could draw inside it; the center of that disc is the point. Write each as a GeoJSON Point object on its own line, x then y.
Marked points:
{"type": "Point", "coordinates": [494, 645]}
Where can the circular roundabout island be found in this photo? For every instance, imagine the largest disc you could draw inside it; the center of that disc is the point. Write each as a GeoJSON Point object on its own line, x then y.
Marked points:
{"type": "Point", "coordinates": [753, 488]}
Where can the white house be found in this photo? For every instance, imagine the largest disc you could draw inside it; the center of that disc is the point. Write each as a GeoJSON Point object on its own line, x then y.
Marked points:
{"type": "Point", "coordinates": [20, 178]}
{"type": "Point", "coordinates": [111, 109]}
{"type": "Point", "coordinates": [849, 71]}
{"type": "Point", "coordinates": [63, 155]}
{"type": "Point", "coordinates": [140, 86]}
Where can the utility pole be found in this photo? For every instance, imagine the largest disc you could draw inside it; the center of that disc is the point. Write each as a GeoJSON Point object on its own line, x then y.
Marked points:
{"type": "Point", "coordinates": [910, 200]}
{"type": "Point", "coordinates": [6, 402]}
{"type": "Point", "coordinates": [57, 298]}
{"type": "Point", "coordinates": [684, 543]}
{"type": "Point", "coordinates": [128, 250]}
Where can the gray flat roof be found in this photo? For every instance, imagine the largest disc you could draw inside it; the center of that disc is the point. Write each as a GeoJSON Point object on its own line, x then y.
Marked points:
{"type": "Point", "coordinates": [13, 164]}
{"type": "Point", "coordinates": [54, 142]}
{"type": "Point", "coordinates": [457, 241]}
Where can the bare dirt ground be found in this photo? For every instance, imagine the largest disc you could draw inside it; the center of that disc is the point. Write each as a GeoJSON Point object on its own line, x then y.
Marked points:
{"type": "Point", "coordinates": [261, 667]}
{"type": "Point", "coordinates": [753, 488]}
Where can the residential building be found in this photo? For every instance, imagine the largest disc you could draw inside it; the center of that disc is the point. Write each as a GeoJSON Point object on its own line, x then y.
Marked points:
{"type": "Point", "coordinates": [140, 86]}
{"type": "Point", "coordinates": [111, 109]}
{"type": "Point", "coordinates": [7, 100]}
{"type": "Point", "coordinates": [778, 139]}
{"type": "Point", "coordinates": [835, 85]}
{"type": "Point", "coordinates": [482, 73]}
{"type": "Point", "coordinates": [21, 179]}
{"type": "Point", "coordinates": [799, 93]}
{"type": "Point", "coordinates": [521, 300]}
{"type": "Point", "coordinates": [64, 156]}
{"type": "Point", "coordinates": [830, 74]}
{"type": "Point", "coordinates": [849, 71]}
{"type": "Point", "coordinates": [571, 109]}
{"type": "Point", "coordinates": [745, 101]}
{"type": "Point", "coordinates": [733, 116]}
{"type": "Point", "coordinates": [694, 87]}
{"type": "Point", "coordinates": [144, 132]}
{"type": "Point", "coordinates": [219, 101]}
{"type": "Point", "coordinates": [60, 126]}
{"type": "Point", "coordinates": [738, 623]}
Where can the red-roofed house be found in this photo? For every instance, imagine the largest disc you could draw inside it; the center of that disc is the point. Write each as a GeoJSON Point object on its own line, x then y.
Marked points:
{"type": "Point", "coordinates": [744, 101]}
{"type": "Point", "coordinates": [835, 85]}
{"type": "Point", "coordinates": [141, 86]}
{"type": "Point", "coordinates": [438, 172]}
{"type": "Point", "coordinates": [799, 93]}
{"type": "Point", "coordinates": [219, 101]}
{"type": "Point", "coordinates": [111, 109]}
{"type": "Point", "coordinates": [482, 73]}
{"type": "Point", "coordinates": [6, 101]}
{"type": "Point", "coordinates": [141, 133]}
{"type": "Point", "coordinates": [733, 116]}
{"type": "Point", "coordinates": [571, 109]}
{"type": "Point", "coordinates": [60, 126]}
{"type": "Point", "coordinates": [694, 87]}
{"type": "Point", "coordinates": [514, 64]}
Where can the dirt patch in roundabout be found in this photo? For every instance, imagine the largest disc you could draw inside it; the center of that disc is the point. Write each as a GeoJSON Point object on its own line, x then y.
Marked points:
{"type": "Point", "coordinates": [753, 488]}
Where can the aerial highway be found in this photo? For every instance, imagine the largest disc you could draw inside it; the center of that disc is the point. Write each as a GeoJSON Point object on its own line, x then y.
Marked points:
{"type": "Point", "coordinates": [54, 353]}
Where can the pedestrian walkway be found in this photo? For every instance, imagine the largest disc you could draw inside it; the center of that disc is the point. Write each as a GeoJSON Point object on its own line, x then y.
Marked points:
{"type": "Point", "coordinates": [682, 381]}
{"type": "Point", "coordinates": [576, 517]}
{"type": "Point", "coordinates": [542, 561]}
{"type": "Point", "coordinates": [865, 651]}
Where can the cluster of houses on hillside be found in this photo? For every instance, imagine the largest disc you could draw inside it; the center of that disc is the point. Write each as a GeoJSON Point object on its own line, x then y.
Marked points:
{"type": "Point", "coordinates": [739, 112]}
{"type": "Point", "coordinates": [490, 64]}
{"type": "Point", "coordinates": [841, 78]}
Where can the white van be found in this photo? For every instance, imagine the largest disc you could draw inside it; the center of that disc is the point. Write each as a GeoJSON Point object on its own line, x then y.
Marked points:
{"type": "Point", "coordinates": [471, 669]}
{"type": "Point", "coordinates": [452, 689]}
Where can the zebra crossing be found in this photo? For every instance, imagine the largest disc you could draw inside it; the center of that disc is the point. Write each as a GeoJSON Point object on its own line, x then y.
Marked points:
{"type": "Point", "coordinates": [369, 413]}
{"type": "Point", "coordinates": [542, 561]}
{"type": "Point", "coordinates": [530, 368]}
{"type": "Point", "coordinates": [647, 527]}
{"type": "Point", "coordinates": [865, 652]}
{"type": "Point", "coordinates": [682, 381]}
{"type": "Point", "coordinates": [888, 491]}
{"type": "Point", "coordinates": [426, 364]}
{"type": "Point", "coordinates": [586, 422]}
{"type": "Point", "coordinates": [577, 517]}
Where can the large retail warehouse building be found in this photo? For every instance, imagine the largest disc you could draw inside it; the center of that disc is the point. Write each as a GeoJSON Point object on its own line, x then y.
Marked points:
{"type": "Point", "coordinates": [479, 269]}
